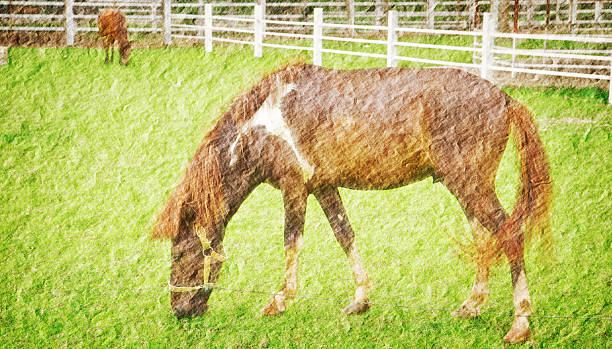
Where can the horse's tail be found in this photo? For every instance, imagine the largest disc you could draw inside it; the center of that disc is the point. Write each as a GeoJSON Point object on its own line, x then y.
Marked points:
{"type": "Point", "coordinates": [531, 214]}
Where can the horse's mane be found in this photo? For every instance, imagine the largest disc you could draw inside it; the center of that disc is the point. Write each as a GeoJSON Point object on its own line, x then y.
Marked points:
{"type": "Point", "coordinates": [247, 103]}
{"type": "Point", "coordinates": [198, 198]}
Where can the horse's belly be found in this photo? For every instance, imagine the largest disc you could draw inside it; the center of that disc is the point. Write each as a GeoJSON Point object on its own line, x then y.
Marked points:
{"type": "Point", "coordinates": [370, 158]}
{"type": "Point", "coordinates": [385, 171]}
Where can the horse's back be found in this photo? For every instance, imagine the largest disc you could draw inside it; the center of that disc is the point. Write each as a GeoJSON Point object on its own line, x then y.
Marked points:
{"type": "Point", "coordinates": [387, 127]}
{"type": "Point", "coordinates": [111, 22]}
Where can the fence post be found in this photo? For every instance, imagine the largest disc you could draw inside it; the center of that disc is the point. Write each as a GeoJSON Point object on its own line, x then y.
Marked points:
{"type": "Point", "coordinates": [3, 55]}
{"type": "Point", "coordinates": [379, 12]}
{"type": "Point", "coordinates": [598, 17]}
{"type": "Point", "coordinates": [262, 3]}
{"type": "Point", "coordinates": [573, 14]}
{"type": "Point", "coordinates": [513, 74]}
{"type": "Point", "coordinates": [392, 39]}
{"type": "Point", "coordinates": [472, 15]}
{"type": "Point", "coordinates": [530, 14]}
{"type": "Point", "coordinates": [488, 40]}
{"type": "Point", "coordinates": [258, 13]}
{"type": "Point", "coordinates": [317, 33]}
{"type": "Point", "coordinates": [153, 24]}
{"type": "Point", "coordinates": [70, 25]}
{"type": "Point", "coordinates": [351, 14]}
{"type": "Point", "coordinates": [168, 22]}
{"type": "Point", "coordinates": [610, 90]}
{"type": "Point", "coordinates": [199, 21]}
{"type": "Point", "coordinates": [208, 22]}
{"type": "Point", "coordinates": [431, 16]}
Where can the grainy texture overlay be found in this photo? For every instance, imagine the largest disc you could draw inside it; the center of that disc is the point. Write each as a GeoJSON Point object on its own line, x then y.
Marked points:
{"type": "Point", "coordinates": [409, 187]}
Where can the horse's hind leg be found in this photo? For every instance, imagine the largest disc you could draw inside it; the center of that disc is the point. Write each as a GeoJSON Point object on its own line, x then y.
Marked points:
{"type": "Point", "coordinates": [294, 199]}
{"type": "Point", "coordinates": [480, 291]}
{"type": "Point", "coordinates": [479, 200]}
{"type": "Point", "coordinates": [331, 203]}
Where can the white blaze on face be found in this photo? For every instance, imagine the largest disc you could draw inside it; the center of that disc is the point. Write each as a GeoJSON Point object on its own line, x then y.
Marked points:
{"type": "Point", "coordinates": [271, 118]}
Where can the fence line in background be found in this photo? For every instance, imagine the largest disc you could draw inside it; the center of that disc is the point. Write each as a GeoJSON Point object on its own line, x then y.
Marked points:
{"type": "Point", "coordinates": [488, 58]}
{"type": "Point", "coordinates": [145, 15]}
{"type": "Point", "coordinates": [72, 17]}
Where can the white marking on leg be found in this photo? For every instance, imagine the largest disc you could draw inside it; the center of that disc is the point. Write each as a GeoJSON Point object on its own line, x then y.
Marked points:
{"type": "Point", "coordinates": [362, 282]}
{"type": "Point", "coordinates": [522, 308]}
{"type": "Point", "coordinates": [480, 290]}
{"type": "Point", "coordinates": [291, 271]}
{"type": "Point", "coordinates": [277, 303]}
{"type": "Point", "coordinates": [479, 294]}
{"type": "Point", "coordinates": [481, 284]}
{"type": "Point", "coordinates": [522, 300]}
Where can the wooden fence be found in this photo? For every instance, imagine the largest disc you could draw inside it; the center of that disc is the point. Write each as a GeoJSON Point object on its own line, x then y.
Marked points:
{"type": "Point", "coordinates": [490, 55]}
{"type": "Point", "coordinates": [73, 16]}
{"type": "Point", "coordinates": [252, 24]}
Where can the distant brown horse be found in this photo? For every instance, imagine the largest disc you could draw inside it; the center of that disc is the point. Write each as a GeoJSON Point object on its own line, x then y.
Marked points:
{"type": "Point", "coordinates": [309, 130]}
{"type": "Point", "coordinates": [112, 27]}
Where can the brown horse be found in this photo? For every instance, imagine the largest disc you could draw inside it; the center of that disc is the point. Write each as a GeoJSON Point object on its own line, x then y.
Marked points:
{"type": "Point", "coordinates": [309, 130]}
{"type": "Point", "coordinates": [112, 27]}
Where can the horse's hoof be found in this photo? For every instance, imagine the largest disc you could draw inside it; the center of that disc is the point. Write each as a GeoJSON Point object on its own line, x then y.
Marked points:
{"type": "Point", "coordinates": [515, 336]}
{"type": "Point", "coordinates": [465, 312]}
{"type": "Point", "coordinates": [357, 307]}
{"type": "Point", "coordinates": [519, 332]}
{"type": "Point", "coordinates": [273, 308]}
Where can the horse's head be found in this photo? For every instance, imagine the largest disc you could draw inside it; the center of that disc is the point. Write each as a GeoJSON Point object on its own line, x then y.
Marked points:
{"type": "Point", "coordinates": [125, 49]}
{"type": "Point", "coordinates": [195, 217]}
{"type": "Point", "coordinates": [196, 262]}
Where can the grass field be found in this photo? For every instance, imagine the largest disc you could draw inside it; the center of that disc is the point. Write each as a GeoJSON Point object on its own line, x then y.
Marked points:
{"type": "Point", "coordinates": [90, 151]}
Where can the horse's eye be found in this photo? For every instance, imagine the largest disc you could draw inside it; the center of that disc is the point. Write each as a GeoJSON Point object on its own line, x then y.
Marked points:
{"type": "Point", "coordinates": [177, 255]}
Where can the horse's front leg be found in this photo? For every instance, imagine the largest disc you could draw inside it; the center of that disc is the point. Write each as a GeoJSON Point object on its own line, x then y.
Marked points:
{"type": "Point", "coordinates": [331, 203]}
{"type": "Point", "coordinates": [106, 45]}
{"type": "Point", "coordinates": [480, 291]}
{"type": "Point", "coordinates": [112, 48]}
{"type": "Point", "coordinates": [294, 199]}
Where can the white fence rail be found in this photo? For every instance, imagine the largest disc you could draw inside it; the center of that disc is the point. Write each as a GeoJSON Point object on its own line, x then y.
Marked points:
{"type": "Point", "coordinates": [146, 15]}
{"type": "Point", "coordinates": [253, 24]}
{"type": "Point", "coordinates": [490, 54]}
{"type": "Point", "coordinates": [71, 16]}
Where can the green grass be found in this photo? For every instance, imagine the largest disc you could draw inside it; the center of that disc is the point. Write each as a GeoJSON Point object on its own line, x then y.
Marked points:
{"type": "Point", "coordinates": [89, 152]}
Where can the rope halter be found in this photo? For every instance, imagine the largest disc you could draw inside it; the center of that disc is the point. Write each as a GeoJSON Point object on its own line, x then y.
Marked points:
{"type": "Point", "coordinates": [219, 257]}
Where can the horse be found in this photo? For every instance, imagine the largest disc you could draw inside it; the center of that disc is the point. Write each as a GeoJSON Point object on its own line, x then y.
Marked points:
{"type": "Point", "coordinates": [306, 129]}
{"type": "Point", "coordinates": [112, 27]}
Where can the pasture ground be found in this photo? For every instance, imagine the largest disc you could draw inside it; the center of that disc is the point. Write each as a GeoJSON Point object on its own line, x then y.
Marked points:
{"type": "Point", "coordinates": [90, 151]}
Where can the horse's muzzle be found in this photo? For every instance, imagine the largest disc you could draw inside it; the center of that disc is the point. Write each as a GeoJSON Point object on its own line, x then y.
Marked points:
{"type": "Point", "coordinates": [182, 312]}
{"type": "Point", "coordinates": [188, 305]}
